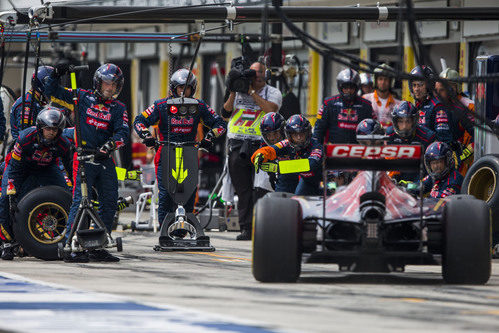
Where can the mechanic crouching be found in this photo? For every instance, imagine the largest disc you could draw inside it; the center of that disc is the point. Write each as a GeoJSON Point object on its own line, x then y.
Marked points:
{"type": "Point", "coordinates": [298, 144]}
{"type": "Point", "coordinates": [443, 179]}
{"type": "Point", "coordinates": [35, 162]}
{"type": "Point", "coordinates": [272, 129]}
{"type": "Point", "coordinates": [405, 128]}
{"type": "Point", "coordinates": [104, 128]}
{"type": "Point", "coordinates": [177, 128]}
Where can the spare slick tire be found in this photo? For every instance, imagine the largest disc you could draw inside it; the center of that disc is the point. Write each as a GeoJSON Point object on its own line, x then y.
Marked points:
{"type": "Point", "coordinates": [41, 221]}
{"type": "Point", "coordinates": [482, 182]}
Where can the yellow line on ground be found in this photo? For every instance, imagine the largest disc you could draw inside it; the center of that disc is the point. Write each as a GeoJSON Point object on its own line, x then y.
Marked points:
{"type": "Point", "coordinates": [218, 255]}
{"type": "Point", "coordinates": [406, 299]}
{"type": "Point", "coordinates": [484, 312]}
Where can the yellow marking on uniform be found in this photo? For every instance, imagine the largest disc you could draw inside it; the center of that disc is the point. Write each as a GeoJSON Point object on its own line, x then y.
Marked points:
{"type": "Point", "coordinates": [218, 255]}
{"type": "Point", "coordinates": [439, 203]}
{"type": "Point", "coordinates": [62, 103]}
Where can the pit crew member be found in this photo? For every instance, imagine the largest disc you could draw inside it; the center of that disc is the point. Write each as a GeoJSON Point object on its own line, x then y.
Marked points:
{"type": "Point", "coordinates": [176, 128]}
{"type": "Point", "coordinates": [339, 115]}
{"type": "Point", "coordinates": [443, 179]}
{"type": "Point", "coordinates": [382, 100]}
{"type": "Point", "coordinates": [297, 145]}
{"type": "Point", "coordinates": [104, 128]}
{"type": "Point", "coordinates": [35, 162]}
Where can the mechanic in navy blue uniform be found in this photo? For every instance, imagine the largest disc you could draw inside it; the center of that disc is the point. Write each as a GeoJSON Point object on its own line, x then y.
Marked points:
{"type": "Point", "coordinates": [432, 113]}
{"type": "Point", "coordinates": [2, 122]}
{"type": "Point", "coordinates": [35, 162]}
{"type": "Point", "coordinates": [297, 145]}
{"type": "Point", "coordinates": [35, 99]}
{"type": "Point", "coordinates": [405, 128]}
{"type": "Point", "coordinates": [104, 128]}
{"type": "Point", "coordinates": [272, 130]}
{"type": "Point", "coordinates": [369, 127]}
{"type": "Point", "coordinates": [339, 115]}
{"type": "Point", "coordinates": [177, 128]}
{"type": "Point", "coordinates": [443, 179]}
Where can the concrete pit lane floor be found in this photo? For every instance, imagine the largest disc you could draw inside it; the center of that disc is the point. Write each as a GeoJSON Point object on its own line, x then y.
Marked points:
{"type": "Point", "coordinates": [152, 291]}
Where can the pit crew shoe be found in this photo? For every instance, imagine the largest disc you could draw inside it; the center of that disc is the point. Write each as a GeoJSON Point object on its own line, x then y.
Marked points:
{"type": "Point", "coordinates": [245, 235]}
{"type": "Point", "coordinates": [102, 256]}
{"type": "Point", "coordinates": [7, 252]}
{"type": "Point", "coordinates": [76, 257]}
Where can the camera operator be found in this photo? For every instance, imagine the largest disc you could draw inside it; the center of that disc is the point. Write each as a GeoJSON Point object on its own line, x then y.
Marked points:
{"type": "Point", "coordinates": [249, 100]}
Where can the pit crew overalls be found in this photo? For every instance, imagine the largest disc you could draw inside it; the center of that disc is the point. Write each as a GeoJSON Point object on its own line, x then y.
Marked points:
{"type": "Point", "coordinates": [304, 183]}
{"type": "Point", "coordinates": [32, 165]}
{"type": "Point", "coordinates": [434, 116]}
{"type": "Point", "coordinates": [339, 120]}
{"type": "Point", "coordinates": [175, 128]}
{"type": "Point", "coordinates": [100, 121]}
{"type": "Point", "coordinates": [450, 185]}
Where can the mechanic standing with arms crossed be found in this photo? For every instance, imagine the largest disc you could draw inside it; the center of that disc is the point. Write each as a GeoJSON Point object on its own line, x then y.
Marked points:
{"type": "Point", "coordinates": [340, 114]}
{"type": "Point", "coordinates": [176, 128]}
{"type": "Point", "coordinates": [104, 127]}
{"type": "Point", "coordinates": [245, 111]}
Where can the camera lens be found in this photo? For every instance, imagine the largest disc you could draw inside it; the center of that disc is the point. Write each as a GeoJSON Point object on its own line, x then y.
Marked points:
{"type": "Point", "coordinates": [193, 109]}
{"type": "Point", "coordinates": [183, 110]}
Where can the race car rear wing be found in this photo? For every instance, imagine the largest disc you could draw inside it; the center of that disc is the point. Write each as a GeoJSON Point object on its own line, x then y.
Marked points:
{"type": "Point", "coordinates": [405, 158]}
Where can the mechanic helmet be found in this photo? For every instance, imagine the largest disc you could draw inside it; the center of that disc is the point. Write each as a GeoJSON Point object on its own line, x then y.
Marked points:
{"type": "Point", "coordinates": [42, 74]}
{"type": "Point", "coordinates": [179, 78]}
{"type": "Point", "coordinates": [298, 124]}
{"type": "Point", "coordinates": [110, 73]}
{"type": "Point", "coordinates": [272, 128]}
{"type": "Point", "coordinates": [405, 110]}
{"type": "Point", "coordinates": [438, 151]}
{"type": "Point", "coordinates": [345, 78]}
{"type": "Point", "coordinates": [384, 70]}
{"type": "Point", "coordinates": [369, 127]}
{"type": "Point", "coordinates": [426, 73]}
{"type": "Point", "coordinates": [50, 116]}
{"type": "Point", "coordinates": [451, 74]}
{"type": "Point", "coordinates": [366, 79]}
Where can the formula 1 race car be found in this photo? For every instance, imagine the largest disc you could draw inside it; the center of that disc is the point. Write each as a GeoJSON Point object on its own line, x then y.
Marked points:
{"type": "Point", "coordinates": [372, 225]}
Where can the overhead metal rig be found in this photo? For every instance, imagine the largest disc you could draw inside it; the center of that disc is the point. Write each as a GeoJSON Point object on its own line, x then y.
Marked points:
{"type": "Point", "coordinates": [59, 14]}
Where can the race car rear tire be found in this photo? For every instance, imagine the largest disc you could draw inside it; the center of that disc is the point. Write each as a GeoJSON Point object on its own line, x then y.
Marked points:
{"type": "Point", "coordinates": [279, 195]}
{"type": "Point", "coordinates": [277, 240]}
{"type": "Point", "coordinates": [41, 221]}
{"type": "Point", "coordinates": [466, 257]}
{"type": "Point", "coordinates": [482, 182]}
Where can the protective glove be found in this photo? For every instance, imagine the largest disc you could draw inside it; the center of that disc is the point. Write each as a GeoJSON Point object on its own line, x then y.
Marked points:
{"type": "Point", "coordinates": [149, 141]}
{"type": "Point", "coordinates": [61, 69]}
{"type": "Point", "coordinates": [467, 152]}
{"type": "Point", "coordinates": [207, 141]}
{"type": "Point", "coordinates": [257, 161]}
{"type": "Point", "coordinates": [105, 151]}
{"type": "Point", "coordinates": [269, 167]}
{"type": "Point", "coordinates": [11, 189]}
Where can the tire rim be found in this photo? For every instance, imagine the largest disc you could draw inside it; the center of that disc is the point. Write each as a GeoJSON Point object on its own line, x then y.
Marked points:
{"type": "Point", "coordinates": [47, 223]}
{"type": "Point", "coordinates": [483, 184]}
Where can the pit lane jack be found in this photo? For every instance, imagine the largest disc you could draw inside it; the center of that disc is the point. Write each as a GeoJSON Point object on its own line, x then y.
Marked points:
{"type": "Point", "coordinates": [181, 231]}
